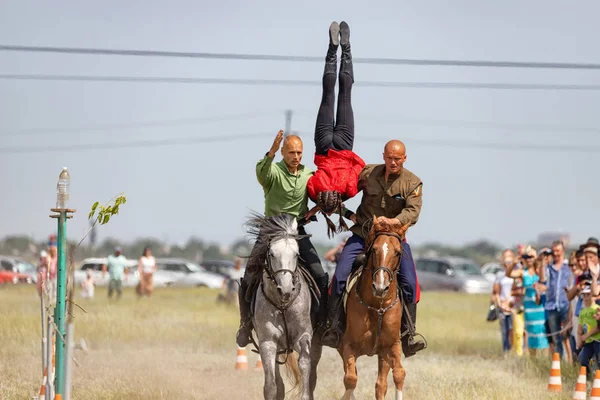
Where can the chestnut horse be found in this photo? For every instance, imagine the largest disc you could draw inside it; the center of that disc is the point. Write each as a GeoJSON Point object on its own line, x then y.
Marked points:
{"type": "Point", "coordinates": [374, 311]}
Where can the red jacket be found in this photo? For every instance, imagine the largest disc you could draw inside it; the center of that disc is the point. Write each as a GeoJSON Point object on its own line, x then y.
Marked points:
{"type": "Point", "coordinates": [339, 170]}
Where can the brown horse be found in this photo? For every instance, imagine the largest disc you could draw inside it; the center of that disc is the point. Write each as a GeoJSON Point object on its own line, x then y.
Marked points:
{"type": "Point", "coordinates": [374, 311]}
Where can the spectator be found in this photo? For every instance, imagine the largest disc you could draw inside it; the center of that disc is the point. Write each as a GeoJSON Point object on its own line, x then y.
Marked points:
{"type": "Point", "coordinates": [588, 336]}
{"type": "Point", "coordinates": [146, 268]}
{"type": "Point", "coordinates": [52, 273]}
{"type": "Point", "coordinates": [117, 265]}
{"type": "Point", "coordinates": [42, 271]}
{"type": "Point", "coordinates": [557, 277]}
{"type": "Point", "coordinates": [534, 312]}
{"type": "Point", "coordinates": [502, 297]}
{"type": "Point", "coordinates": [88, 286]}
{"type": "Point", "coordinates": [573, 295]}
{"type": "Point", "coordinates": [333, 255]}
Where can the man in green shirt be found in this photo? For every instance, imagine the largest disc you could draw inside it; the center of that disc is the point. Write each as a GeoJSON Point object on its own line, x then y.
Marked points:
{"type": "Point", "coordinates": [284, 187]}
{"type": "Point", "coordinates": [116, 265]}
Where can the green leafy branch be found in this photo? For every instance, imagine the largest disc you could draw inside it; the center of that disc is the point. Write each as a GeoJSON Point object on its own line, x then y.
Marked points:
{"type": "Point", "coordinates": [108, 210]}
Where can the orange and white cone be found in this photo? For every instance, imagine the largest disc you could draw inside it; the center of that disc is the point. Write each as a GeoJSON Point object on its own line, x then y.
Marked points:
{"type": "Point", "coordinates": [581, 386]}
{"type": "Point", "coordinates": [555, 382]}
{"type": "Point", "coordinates": [258, 363]}
{"type": "Point", "coordinates": [242, 361]}
{"type": "Point", "coordinates": [43, 388]}
{"type": "Point", "coordinates": [595, 394]}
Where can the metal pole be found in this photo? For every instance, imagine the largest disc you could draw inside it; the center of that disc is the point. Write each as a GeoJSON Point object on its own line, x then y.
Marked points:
{"type": "Point", "coordinates": [288, 122]}
{"type": "Point", "coordinates": [49, 347]}
{"type": "Point", "coordinates": [59, 317]}
{"type": "Point", "coordinates": [68, 360]}
{"type": "Point", "coordinates": [44, 337]}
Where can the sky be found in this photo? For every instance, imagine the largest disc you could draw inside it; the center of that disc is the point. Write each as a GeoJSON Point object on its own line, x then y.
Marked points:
{"type": "Point", "coordinates": [503, 194]}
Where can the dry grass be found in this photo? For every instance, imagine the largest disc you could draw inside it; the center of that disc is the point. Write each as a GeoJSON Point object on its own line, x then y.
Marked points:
{"type": "Point", "coordinates": [180, 345]}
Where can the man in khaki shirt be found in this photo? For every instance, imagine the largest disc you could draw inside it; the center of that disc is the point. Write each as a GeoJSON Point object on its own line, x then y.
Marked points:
{"type": "Point", "coordinates": [393, 194]}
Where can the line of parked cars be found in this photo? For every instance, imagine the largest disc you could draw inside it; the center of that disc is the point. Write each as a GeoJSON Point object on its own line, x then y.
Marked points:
{"type": "Point", "coordinates": [171, 272]}
{"type": "Point", "coordinates": [452, 273]}
{"type": "Point", "coordinates": [15, 270]}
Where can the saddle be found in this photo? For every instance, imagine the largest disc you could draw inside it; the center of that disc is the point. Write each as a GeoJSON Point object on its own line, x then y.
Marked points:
{"type": "Point", "coordinates": [357, 268]}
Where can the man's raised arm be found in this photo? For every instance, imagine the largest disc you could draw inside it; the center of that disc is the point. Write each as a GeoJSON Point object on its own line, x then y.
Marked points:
{"type": "Point", "coordinates": [263, 167]}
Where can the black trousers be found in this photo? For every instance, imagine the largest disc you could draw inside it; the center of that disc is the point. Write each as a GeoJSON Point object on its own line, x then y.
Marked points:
{"type": "Point", "coordinates": [308, 255]}
{"type": "Point", "coordinates": [338, 135]}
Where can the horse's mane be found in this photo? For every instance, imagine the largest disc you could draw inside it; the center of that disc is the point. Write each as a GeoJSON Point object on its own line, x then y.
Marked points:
{"type": "Point", "coordinates": [377, 226]}
{"type": "Point", "coordinates": [267, 229]}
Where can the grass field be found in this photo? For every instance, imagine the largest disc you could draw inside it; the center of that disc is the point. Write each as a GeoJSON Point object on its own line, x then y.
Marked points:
{"type": "Point", "coordinates": [180, 345]}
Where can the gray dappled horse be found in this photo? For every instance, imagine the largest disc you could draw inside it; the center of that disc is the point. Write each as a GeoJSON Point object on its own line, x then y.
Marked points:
{"type": "Point", "coordinates": [282, 309]}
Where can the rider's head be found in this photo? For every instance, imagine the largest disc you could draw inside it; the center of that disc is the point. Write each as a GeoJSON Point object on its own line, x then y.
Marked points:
{"type": "Point", "coordinates": [394, 156]}
{"type": "Point", "coordinates": [292, 151]}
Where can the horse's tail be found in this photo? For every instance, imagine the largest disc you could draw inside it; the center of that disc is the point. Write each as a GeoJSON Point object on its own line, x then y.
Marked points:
{"type": "Point", "coordinates": [292, 370]}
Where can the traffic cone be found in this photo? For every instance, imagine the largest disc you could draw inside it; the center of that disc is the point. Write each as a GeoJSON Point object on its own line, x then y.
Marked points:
{"type": "Point", "coordinates": [58, 397]}
{"type": "Point", "coordinates": [555, 382]}
{"type": "Point", "coordinates": [581, 386]}
{"type": "Point", "coordinates": [258, 363]}
{"type": "Point", "coordinates": [43, 388]}
{"type": "Point", "coordinates": [595, 394]}
{"type": "Point", "coordinates": [242, 361]}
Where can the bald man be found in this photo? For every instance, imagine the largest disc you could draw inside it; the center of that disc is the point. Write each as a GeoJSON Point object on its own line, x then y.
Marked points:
{"type": "Point", "coordinates": [284, 186]}
{"type": "Point", "coordinates": [391, 193]}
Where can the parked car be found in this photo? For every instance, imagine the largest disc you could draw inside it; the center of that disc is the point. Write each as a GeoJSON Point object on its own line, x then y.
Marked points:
{"type": "Point", "coordinates": [451, 273]}
{"type": "Point", "coordinates": [490, 270]}
{"type": "Point", "coordinates": [186, 273]}
{"type": "Point", "coordinates": [14, 270]}
{"type": "Point", "coordinates": [220, 267]}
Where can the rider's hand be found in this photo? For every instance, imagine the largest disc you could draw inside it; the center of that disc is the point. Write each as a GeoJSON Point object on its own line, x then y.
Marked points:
{"type": "Point", "coordinates": [353, 218]}
{"type": "Point", "coordinates": [389, 221]}
{"type": "Point", "coordinates": [276, 143]}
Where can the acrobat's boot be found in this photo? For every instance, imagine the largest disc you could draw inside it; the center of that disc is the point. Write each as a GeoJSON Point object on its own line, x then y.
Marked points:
{"type": "Point", "coordinates": [334, 330]}
{"type": "Point", "coordinates": [334, 41]}
{"type": "Point", "coordinates": [410, 347]}
{"type": "Point", "coordinates": [346, 62]}
{"type": "Point", "coordinates": [244, 334]}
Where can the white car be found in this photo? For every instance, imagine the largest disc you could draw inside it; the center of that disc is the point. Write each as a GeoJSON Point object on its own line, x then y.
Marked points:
{"type": "Point", "coordinates": [186, 273]}
{"type": "Point", "coordinates": [490, 270]}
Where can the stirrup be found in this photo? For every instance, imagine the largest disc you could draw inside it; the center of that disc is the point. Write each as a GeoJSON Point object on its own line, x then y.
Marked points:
{"type": "Point", "coordinates": [338, 336]}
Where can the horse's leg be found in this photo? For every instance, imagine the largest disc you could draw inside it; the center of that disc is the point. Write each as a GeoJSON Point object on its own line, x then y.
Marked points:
{"type": "Point", "coordinates": [304, 364]}
{"type": "Point", "coordinates": [398, 370]}
{"type": "Point", "coordinates": [268, 355]}
{"type": "Point", "coordinates": [315, 356]}
{"type": "Point", "coordinates": [350, 374]}
{"type": "Point", "coordinates": [382, 373]}
{"type": "Point", "coordinates": [279, 381]}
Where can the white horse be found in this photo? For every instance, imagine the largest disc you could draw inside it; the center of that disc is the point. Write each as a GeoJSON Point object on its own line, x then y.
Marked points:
{"type": "Point", "coordinates": [282, 311]}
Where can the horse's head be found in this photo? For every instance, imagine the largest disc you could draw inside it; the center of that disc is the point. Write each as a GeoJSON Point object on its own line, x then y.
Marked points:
{"type": "Point", "coordinates": [277, 238]}
{"type": "Point", "coordinates": [282, 260]}
{"type": "Point", "coordinates": [384, 249]}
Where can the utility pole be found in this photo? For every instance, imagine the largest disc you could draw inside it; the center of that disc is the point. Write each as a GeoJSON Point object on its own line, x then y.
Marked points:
{"type": "Point", "coordinates": [288, 122]}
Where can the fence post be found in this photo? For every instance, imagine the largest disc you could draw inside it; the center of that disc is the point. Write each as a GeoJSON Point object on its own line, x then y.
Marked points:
{"type": "Point", "coordinates": [61, 280]}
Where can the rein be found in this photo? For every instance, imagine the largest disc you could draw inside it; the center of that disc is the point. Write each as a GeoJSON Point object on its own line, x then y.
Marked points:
{"type": "Point", "coordinates": [380, 310]}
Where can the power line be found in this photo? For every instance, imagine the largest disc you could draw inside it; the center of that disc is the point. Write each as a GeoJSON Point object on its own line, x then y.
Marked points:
{"type": "Point", "coordinates": [133, 144]}
{"type": "Point", "coordinates": [464, 144]}
{"type": "Point", "coordinates": [278, 82]}
{"type": "Point", "coordinates": [135, 125]}
{"type": "Point", "coordinates": [265, 57]}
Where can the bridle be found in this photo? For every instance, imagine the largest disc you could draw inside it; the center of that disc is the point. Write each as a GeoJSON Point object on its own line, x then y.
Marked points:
{"type": "Point", "coordinates": [380, 310]}
{"type": "Point", "coordinates": [282, 306]}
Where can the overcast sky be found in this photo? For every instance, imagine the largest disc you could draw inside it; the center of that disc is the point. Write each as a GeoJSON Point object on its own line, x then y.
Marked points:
{"type": "Point", "coordinates": [207, 189]}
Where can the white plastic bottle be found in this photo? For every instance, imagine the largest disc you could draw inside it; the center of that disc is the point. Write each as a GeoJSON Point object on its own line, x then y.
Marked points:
{"type": "Point", "coordinates": [62, 189]}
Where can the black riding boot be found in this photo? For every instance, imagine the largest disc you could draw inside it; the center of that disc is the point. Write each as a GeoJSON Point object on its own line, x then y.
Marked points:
{"type": "Point", "coordinates": [346, 62]}
{"type": "Point", "coordinates": [245, 331]}
{"type": "Point", "coordinates": [410, 347]}
{"type": "Point", "coordinates": [323, 285]}
{"type": "Point", "coordinates": [331, 57]}
{"type": "Point", "coordinates": [334, 330]}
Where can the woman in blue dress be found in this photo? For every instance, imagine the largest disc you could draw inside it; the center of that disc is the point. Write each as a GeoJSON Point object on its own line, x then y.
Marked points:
{"type": "Point", "coordinates": [535, 316]}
